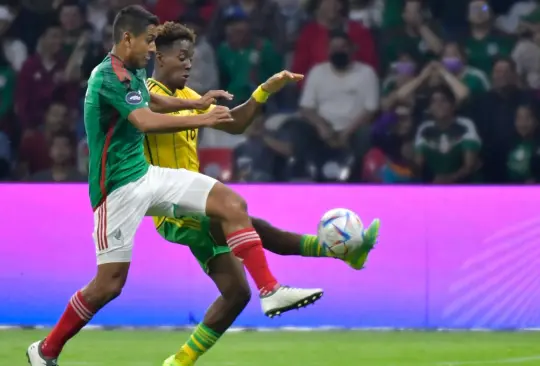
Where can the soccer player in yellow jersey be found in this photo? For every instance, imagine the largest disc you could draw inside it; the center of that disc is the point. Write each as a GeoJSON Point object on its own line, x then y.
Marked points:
{"type": "Point", "coordinates": [203, 236]}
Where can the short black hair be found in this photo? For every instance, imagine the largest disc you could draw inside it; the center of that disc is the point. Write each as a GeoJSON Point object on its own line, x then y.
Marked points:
{"type": "Point", "coordinates": [504, 59]}
{"type": "Point", "coordinates": [133, 19]}
{"type": "Point", "coordinates": [51, 24]}
{"type": "Point", "coordinates": [63, 134]}
{"type": "Point", "coordinates": [74, 3]}
{"type": "Point", "coordinates": [171, 32]}
{"type": "Point", "coordinates": [446, 92]}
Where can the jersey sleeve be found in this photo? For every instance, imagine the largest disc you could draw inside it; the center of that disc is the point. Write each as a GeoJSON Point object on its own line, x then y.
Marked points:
{"type": "Point", "coordinates": [120, 97]}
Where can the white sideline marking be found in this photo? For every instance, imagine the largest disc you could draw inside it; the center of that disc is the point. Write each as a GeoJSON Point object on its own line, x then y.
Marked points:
{"type": "Point", "coordinates": [492, 362]}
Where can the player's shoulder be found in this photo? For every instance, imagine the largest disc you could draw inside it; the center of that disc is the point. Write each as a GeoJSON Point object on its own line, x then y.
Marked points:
{"type": "Point", "coordinates": [110, 70]}
{"type": "Point", "coordinates": [189, 93]}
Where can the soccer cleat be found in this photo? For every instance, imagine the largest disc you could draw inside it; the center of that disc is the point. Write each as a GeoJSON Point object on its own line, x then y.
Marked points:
{"type": "Point", "coordinates": [36, 358]}
{"type": "Point", "coordinates": [287, 298]}
{"type": "Point", "coordinates": [173, 361]}
{"type": "Point", "coordinates": [357, 255]}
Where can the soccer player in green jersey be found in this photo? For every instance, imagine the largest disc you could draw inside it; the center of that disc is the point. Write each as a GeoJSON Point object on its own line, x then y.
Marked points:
{"type": "Point", "coordinates": [118, 111]}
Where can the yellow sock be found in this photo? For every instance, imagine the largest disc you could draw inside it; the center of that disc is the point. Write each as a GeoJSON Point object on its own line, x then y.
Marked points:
{"type": "Point", "coordinates": [200, 341]}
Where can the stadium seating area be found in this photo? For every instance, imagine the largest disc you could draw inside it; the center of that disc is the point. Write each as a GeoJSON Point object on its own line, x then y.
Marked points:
{"type": "Point", "coordinates": [396, 91]}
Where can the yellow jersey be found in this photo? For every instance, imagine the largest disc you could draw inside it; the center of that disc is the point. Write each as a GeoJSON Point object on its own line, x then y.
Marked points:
{"type": "Point", "coordinates": [173, 150]}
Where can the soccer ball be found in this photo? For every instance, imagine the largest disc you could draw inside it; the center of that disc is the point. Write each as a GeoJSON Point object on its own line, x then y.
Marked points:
{"type": "Point", "coordinates": [339, 230]}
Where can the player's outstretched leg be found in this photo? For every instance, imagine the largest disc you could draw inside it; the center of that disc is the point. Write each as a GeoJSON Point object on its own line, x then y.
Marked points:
{"type": "Point", "coordinates": [287, 243]}
{"type": "Point", "coordinates": [228, 275]}
{"type": "Point", "coordinates": [231, 210]}
{"type": "Point", "coordinates": [82, 306]}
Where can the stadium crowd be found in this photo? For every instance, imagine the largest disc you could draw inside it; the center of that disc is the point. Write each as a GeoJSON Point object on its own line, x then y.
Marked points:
{"type": "Point", "coordinates": [441, 91]}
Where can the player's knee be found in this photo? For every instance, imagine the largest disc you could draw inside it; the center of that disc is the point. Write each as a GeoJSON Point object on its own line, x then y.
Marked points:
{"type": "Point", "coordinates": [236, 208]}
{"type": "Point", "coordinates": [240, 296]}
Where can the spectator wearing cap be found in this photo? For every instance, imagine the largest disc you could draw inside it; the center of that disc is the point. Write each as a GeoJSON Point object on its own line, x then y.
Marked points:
{"type": "Point", "coordinates": [43, 79]}
{"type": "Point", "coordinates": [338, 103]}
{"type": "Point", "coordinates": [312, 45]}
{"type": "Point", "coordinates": [418, 36]}
{"type": "Point", "coordinates": [264, 17]}
{"type": "Point", "coordinates": [484, 43]}
{"type": "Point", "coordinates": [204, 73]}
{"type": "Point", "coordinates": [12, 48]}
{"type": "Point", "coordinates": [494, 113]}
{"type": "Point", "coordinates": [245, 60]}
{"type": "Point", "coordinates": [447, 146]}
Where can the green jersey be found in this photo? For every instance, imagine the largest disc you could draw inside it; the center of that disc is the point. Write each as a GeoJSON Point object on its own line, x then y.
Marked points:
{"type": "Point", "coordinates": [482, 52]}
{"type": "Point", "coordinates": [116, 151]}
{"type": "Point", "coordinates": [443, 149]}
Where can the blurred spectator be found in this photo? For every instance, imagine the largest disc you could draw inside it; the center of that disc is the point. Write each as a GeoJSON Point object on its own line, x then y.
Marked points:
{"type": "Point", "coordinates": [484, 43]}
{"type": "Point", "coordinates": [526, 54]}
{"type": "Point", "coordinates": [494, 113]}
{"type": "Point", "coordinates": [244, 60]}
{"type": "Point", "coordinates": [337, 113]}
{"type": "Point", "coordinates": [521, 166]}
{"type": "Point", "coordinates": [402, 71]}
{"type": "Point", "coordinates": [454, 60]}
{"type": "Point", "coordinates": [264, 17]}
{"type": "Point", "coordinates": [12, 48]}
{"type": "Point", "coordinates": [5, 157]}
{"type": "Point", "coordinates": [96, 52]}
{"type": "Point", "coordinates": [367, 12]}
{"type": "Point", "coordinates": [417, 36]}
{"type": "Point", "coordinates": [447, 146]}
{"type": "Point", "coordinates": [42, 79]}
{"type": "Point", "coordinates": [171, 10]}
{"type": "Point", "coordinates": [72, 16]}
{"type": "Point", "coordinates": [98, 15]}
{"type": "Point", "coordinates": [509, 22]}
{"type": "Point", "coordinates": [7, 87]}
{"type": "Point", "coordinates": [62, 155]}
{"type": "Point", "coordinates": [34, 149]}
{"type": "Point", "coordinates": [294, 17]}
{"type": "Point", "coordinates": [312, 46]}
{"type": "Point", "coordinates": [204, 74]}
{"type": "Point", "coordinates": [394, 136]}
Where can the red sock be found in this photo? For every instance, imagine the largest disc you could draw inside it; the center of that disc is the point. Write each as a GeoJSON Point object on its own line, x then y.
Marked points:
{"type": "Point", "coordinates": [247, 246]}
{"type": "Point", "coordinates": [75, 317]}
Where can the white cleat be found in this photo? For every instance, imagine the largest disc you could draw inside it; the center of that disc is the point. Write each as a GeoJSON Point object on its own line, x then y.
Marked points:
{"type": "Point", "coordinates": [35, 358]}
{"type": "Point", "coordinates": [287, 298]}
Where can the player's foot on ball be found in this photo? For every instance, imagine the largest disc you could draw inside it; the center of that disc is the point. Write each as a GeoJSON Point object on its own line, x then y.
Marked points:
{"type": "Point", "coordinates": [36, 358]}
{"type": "Point", "coordinates": [173, 361]}
{"type": "Point", "coordinates": [357, 255]}
{"type": "Point", "coordinates": [286, 298]}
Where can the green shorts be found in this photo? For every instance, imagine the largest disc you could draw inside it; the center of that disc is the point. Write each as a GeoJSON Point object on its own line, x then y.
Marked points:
{"type": "Point", "coordinates": [194, 232]}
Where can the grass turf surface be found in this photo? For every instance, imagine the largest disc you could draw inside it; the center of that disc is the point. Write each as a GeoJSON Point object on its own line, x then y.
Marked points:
{"type": "Point", "coordinates": [147, 348]}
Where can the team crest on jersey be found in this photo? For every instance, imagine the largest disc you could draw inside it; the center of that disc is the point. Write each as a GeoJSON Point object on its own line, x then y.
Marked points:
{"type": "Point", "coordinates": [134, 97]}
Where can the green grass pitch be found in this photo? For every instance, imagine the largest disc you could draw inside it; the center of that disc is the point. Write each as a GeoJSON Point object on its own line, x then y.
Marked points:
{"type": "Point", "coordinates": [347, 348]}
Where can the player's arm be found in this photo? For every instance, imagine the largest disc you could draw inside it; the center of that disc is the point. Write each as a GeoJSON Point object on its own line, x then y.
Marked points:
{"type": "Point", "coordinates": [244, 114]}
{"type": "Point", "coordinates": [132, 105]}
{"type": "Point", "coordinates": [151, 122]}
{"type": "Point", "coordinates": [166, 104]}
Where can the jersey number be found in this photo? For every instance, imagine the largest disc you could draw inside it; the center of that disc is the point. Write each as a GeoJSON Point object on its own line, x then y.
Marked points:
{"type": "Point", "coordinates": [190, 134]}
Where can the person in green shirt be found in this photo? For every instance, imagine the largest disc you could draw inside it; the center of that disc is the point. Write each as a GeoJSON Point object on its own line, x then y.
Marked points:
{"type": "Point", "coordinates": [7, 86]}
{"type": "Point", "coordinates": [454, 60]}
{"type": "Point", "coordinates": [417, 36]}
{"type": "Point", "coordinates": [447, 146]}
{"type": "Point", "coordinates": [484, 43]}
{"type": "Point", "coordinates": [520, 163]}
{"type": "Point", "coordinates": [245, 61]}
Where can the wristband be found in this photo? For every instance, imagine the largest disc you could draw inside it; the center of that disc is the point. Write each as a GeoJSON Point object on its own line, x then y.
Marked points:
{"type": "Point", "coordinates": [260, 95]}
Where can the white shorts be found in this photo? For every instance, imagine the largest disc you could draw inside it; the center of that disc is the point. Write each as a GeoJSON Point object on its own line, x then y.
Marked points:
{"type": "Point", "coordinates": [160, 192]}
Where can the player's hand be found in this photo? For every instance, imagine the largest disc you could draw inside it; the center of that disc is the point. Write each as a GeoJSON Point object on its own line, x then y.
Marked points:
{"type": "Point", "coordinates": [210, 98]}
{"type": "Point", "coordinates": [279, 80]}
{"type": "Point", "coordinates": [218, 115]}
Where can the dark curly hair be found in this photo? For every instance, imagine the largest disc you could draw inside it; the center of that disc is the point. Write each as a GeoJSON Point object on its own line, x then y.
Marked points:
{"type": "Point", "coordinates": [170, 32]}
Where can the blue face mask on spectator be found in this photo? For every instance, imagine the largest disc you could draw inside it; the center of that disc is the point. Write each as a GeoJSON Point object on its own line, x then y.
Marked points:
{"type": "Point", "coordinates": [404, 68]}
